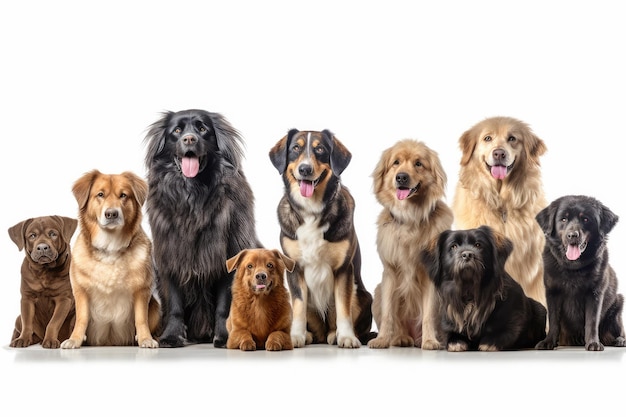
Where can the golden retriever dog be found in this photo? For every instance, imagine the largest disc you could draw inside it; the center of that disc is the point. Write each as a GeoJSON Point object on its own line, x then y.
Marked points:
{"type": "Point", "coordinates": [260, 311]}
{"type": "Point", "coordinates": [111, 272]}
{"type": "Point", "coordinates": [500, 186]}
{"type": "Point", "coordinates": [410, 183]}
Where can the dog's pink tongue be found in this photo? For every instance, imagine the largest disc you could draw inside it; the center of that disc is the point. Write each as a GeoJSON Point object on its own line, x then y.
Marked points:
{"type": "Point", "coordinates": [260, 286]}
{"type": "Point", "coordinates": [573, 252]}
{"type": "Point", "coordinates": [402, 193]}
{"type": "Point", "coordinates": [190, 167]}
{"type": "Point", "coordinates": [306, 188]}
{"type": "Point", "coordinates": [498, 172]}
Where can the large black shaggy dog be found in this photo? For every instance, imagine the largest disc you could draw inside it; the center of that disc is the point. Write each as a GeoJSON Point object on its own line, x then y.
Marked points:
{"type": "Point", "coordinates": [584, 307]}
{"type": "Point", "coordinates": [482, 306]}
{"type": "Point", "coordinates": [201, 212]}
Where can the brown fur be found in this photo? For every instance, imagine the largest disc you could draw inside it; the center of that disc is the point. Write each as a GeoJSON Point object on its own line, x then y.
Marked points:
{"type": "Point", "coordinates": [404, 305]}
{"type": "Point", "coordinates": [47, 304]}
{"type": "Point", "coordinates": [260, 316]}
{"type": "Point", "coordinates": [111, 273]}
{"type": "Point", "coordinates": [508, 205]}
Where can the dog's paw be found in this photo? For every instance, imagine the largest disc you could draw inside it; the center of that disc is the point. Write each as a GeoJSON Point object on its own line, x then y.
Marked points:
{"type": "Point", "coordinates": [220, 342]}
{"type": "Point", "coordinates": [247, 345]}
{"type": "Point", "coordinates": [405, 341]}
{"type": "Point", "coordinates": [349, 341]}
{"type": "Point", "coordinates": [331, 338]}
{"type": "Point", "coordinates": [71, 344]}
{"type": "Point", "coordinates": [171, 341]}
{"type": "Point", "coordinates": [457, 347]}
{"type": "Point", "coordinates": [149, 343]}
{"type": "Point", "coordinates": [51, 344]}
{"type": "Point", "coordinates": [620, 342]}
{"type": "Point", "coordinates": [488, 348]}
{"type": "Point", "coordinates": [545, 345]}
{"type": "Point", "coordinates": [21, 342]}
{"type": "Point", "coordinates": [379, 342]}
{"type": "Point", "coordinates": [298, 340]}
{"type": "Point", "coordinates": [431, 345]}
{"type": "Point", "coordinates": [594, 346]}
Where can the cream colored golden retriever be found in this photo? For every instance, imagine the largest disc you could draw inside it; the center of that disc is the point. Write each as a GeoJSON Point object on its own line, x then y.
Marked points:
{"type": "Point", "coordinates": [410, 183]}
{"type": "Point", "coordinates": [500, 186]}
{"type": "Point", "coordinates": [111, 271]}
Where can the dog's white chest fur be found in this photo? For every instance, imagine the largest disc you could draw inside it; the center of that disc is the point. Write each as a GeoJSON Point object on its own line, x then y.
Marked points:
{"type": "Point", "coordinates": [318, 273]}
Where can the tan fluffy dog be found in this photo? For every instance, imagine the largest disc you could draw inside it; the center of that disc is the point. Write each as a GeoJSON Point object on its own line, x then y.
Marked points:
{"type": "Point", "coordinates": [260, 312]}
{"type": "Point", "coordinates": [409, 182]}
{"type": "Point", "coordinates": [500, 186]}
{"type": "Point", "coordinates": [111, 271]}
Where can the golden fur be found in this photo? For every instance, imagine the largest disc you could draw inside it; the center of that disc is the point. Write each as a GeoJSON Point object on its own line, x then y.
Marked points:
{"type": "Point", "coordinates": [507, 200]}
{"type": "Point", "coordinates": [260, 312]}
{"type": "Point", "coordinates": [111, 272]}
{"type": "Point", "coordinates": [404, 304]}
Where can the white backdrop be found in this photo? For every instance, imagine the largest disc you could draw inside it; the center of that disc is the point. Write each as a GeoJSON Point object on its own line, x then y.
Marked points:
{"type": "Point", "coordinates": [81, 81]}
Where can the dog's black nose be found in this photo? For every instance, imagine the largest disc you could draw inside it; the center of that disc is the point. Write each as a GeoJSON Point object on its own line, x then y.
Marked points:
{"type": "Point", "coordinates": [402, 178]}
{"type": "Point", "coordinates": [499, 154]}
{"type": "Point", "coordinates": [261, 276]}
{"type": "Point", "coordinates": [111, 214]}
{"type": "Point", "coordinates": [573, 234]}
{"type": "Point", "coordinates": [467, 255]}
{"type": "Point", "coordinates": [305, 170]}
{"type": "Point", "coordinates": [189, 139]}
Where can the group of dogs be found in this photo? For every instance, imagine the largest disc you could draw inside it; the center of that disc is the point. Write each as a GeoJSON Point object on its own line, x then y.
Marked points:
{"type": "Point", "coordinates": [514, 273]}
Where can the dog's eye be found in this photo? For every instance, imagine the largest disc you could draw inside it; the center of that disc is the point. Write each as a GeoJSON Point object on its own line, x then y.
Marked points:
{"type": "Point", "coordinates": [32, 236]}
{"type": "Point", "coordinates": [296, 148]}
{"type": "Point", "coordinates": [250, 266]}
{"type": "Point", "coordinates": [319, 150]}
{"type": "Point", "coordinates": [396, 162]}
{"type": "Point", "coordinates": [418, 164]}
{"type": "Point", "coordinates": [453, 246]}
{"type": "Point", "coordinates": [178, 130]}
{"type": "Point", "coordinates": [202, 129]}
{"type": "Point", "coordinates": [563, 219]}
{"type": "Point", "coordinates": [512, 139]}
{"type": "Point", "coordinates": [270, 265]}
{"type": "Point", "coordinates": [123, 195]}
{"type": "Point", "coordinates": [52, 234]}
{"type": "Point", "coordinates": [100, 194]}
{"type": "Point", "coordinates": [585, 219]}
{"type": "Point", "coordinates": [478, 245]}
{"type": "Point", "coordinates": [487, 139]}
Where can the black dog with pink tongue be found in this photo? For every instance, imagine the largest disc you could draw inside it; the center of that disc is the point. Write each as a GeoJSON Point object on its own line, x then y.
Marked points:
{"type": "Point", "coordinates": [584, 308]}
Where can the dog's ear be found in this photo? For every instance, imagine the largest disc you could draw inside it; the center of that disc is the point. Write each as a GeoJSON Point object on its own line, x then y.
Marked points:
{"type": "Point", "coordinates": [16, 233]}
{"type": "Point", "coordinates": [535, 146]}
{"type": "Point", "coordinates": [156, 137]}
{"type": "Point", "coordinates": [431, 257]}
{"type": "Point", "coordinates": [229, 141]}
{"type": "Point", "coordinates": [340, 156]}
{"type": "Point", "coordinates": [82, 187]}
{"type": "Point", "coordinates": [502, 246]}
{"type": "Point", "coordinates": [233, 263]}
{"type": "Point", "coordinates": [278, 153]}
{"type": "Point", "coordinates": [467, 144]}
{"type": "Point", "coordinates": [287, 261]}
{"type": "Point", "coordinates": [436, 168]}
{"type": "Point", "coordinates": [546, 216]}
{"type": "Point", "coordinates": [139, 186]}
{"type": "Point", "coordinates": [378, 175]}
{"type": "Point", "coordinates": [68, 226]}
{"type": "Point", "coordinates": [608, 219]}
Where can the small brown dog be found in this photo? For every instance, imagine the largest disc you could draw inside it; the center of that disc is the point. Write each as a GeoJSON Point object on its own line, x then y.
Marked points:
{"type": "Point", "coordinates": [111, 273]}
{"type": "Point", "coordinates": [260, 313]}
{"type": "Point", "coordinates": [47, 305]}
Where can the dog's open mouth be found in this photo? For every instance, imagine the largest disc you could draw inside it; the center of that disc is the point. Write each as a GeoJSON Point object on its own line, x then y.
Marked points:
{"type": "Point", "coordinates": [262, 287]}
{"type": "Point", "coordinates": [402, 193]}
{"type": "Point", "coordinates": [190, 165]}
{"type": "Point", "coordinates": [574, 250]}
{"type": "Point", "coordinates": [307, 187]}
{"type": "Point", "coordinates": [499, 172]}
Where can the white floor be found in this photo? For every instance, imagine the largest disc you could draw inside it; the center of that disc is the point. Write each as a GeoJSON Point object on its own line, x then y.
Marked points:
{"type": "Point", "coordinates": [317, 379]}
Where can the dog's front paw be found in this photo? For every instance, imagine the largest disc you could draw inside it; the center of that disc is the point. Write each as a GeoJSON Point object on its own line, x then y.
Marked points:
{"type": "Point", "coordinates": [431, 345]}
{"type": "Point", "coordinates": [380, 342]}
{"type": "Point", "coordinates": [172, 341]}
{"type": "Point", "coordinates": [348, 341]}
{"type": "Point", "coordinates": [545, 345]}
{"type": "Point", "coordinates": [51, 344]}
{"type": "Point", "coordinates": [149, 343]}
{"type": "Point", "coordinates": [487, 348]}
{"type": "Point", "coordinates": [298, 340]}
{"type": "Point", "coordinates": [620, 342]}
{"type": "Point", "coordinates": [594, 346]}
{"type": "Point", "coordinates": [459, 346]}
{"type": "Point", "coordinates": [247, 345]}
{"type": "Point", "coordinates": [21, 342]}
{"type": "Point", "coordinates": [71, 344]}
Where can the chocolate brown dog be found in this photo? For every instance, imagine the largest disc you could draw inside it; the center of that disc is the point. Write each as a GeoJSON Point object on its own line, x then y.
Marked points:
{"type": "Point", "coordinates": [47, 305]}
